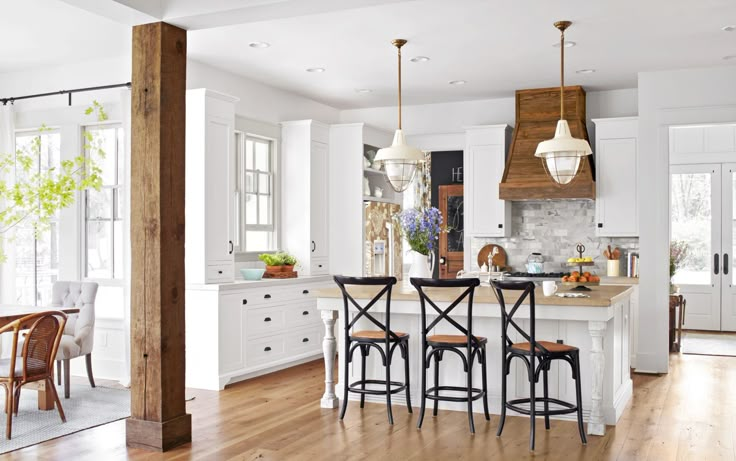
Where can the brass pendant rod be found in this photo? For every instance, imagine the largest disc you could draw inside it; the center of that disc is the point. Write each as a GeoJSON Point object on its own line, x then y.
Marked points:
{"type": "Point", "coordinates": [562, 75]}
{"type": "Point", "coordinates": [399, 87]}
{"type": "Point", "coordinates": [398, 43]}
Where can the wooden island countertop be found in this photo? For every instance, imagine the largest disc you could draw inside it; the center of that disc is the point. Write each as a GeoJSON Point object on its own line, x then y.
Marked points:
{"type": "Point", "coordinates": [600, 296]}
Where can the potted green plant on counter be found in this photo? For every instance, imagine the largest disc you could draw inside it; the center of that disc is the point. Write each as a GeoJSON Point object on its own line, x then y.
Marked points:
{"type": "Point", "coordinates": [278, 265]}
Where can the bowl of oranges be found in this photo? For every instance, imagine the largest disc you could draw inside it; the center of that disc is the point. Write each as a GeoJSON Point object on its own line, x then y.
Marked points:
{"type": "Point", "coordinates": [575, 278]}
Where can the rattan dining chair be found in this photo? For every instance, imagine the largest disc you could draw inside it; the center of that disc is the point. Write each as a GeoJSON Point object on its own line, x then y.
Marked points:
{"type": "Point", "coordinates": [36, 360]}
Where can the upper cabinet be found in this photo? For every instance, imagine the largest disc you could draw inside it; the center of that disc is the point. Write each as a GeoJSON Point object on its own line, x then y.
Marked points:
{"type": "Point", "coordinates": [305, 192]}
{"type": "Point", "coordinates": [484, 160]}
{"type": "Point", "coordinates": [210, 144]}
{"type": "Point", "coordinates": [616, 149]}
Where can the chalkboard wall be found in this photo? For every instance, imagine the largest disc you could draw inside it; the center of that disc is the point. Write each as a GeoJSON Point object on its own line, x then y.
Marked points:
{"type": "Point", "coordinates": [441, 174]}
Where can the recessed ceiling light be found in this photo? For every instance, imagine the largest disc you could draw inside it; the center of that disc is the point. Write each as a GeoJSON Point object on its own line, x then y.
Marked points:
{"type": "Point", "coordinates": [259, 45]}
{"type": "Point", "coordinates": [316, 69]}
{"type": "Point", "coordinates": [457, 82]}
{"type": "Point", "coordinates": [728, 58]}
{"type": "Point", "coordinates": [419, 59]}
{"type": "Point", "coordinates": [363, 90]}
{"type": "Point", "coordinates": [568, 44]}
{"type": "Point", "coordinates": [729, 28]}
{"type": "Point", "coordinates": [585, 71]}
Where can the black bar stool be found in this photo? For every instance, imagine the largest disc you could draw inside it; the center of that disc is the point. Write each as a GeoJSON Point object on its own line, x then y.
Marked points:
{"type": "Point", "coordinates": [367, 339]}
{"type": "Point", "coordinates": [545, 352]}
{"type": "Point", "coordinates": [466, 346]}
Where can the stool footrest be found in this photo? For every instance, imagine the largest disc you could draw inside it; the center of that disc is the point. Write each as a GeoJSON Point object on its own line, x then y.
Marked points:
{"type": "Point", "coordinates": [396, 387]}
{"type": "Point", "coordinates": [477, 394]}
{"type": "Point", "coordinates": [568, 407]}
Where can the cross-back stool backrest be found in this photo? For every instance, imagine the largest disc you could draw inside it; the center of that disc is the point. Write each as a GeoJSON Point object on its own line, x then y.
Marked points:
{"type": "Point", "coordinates": [386, 282]}
{"type": "Point", "coordinates": [507, 316]}
{"type": "Point", "coordinates": [443, 314]}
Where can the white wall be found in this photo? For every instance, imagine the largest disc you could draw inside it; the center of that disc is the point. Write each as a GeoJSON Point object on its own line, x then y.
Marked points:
{"type": "Point", "coordinates": [668, 98]}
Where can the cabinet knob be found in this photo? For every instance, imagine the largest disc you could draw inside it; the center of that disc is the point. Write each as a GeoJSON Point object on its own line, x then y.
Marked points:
{"type": "Point", "coordinates": [305, 292]}
{"type": "Point", "coordinates": [305, 313]}
{"type": "Point", "coordinates": [267, 348]}
{"type": "Point", "coordinates": [305, 340]}
{"type": "Point", "coordinates": [500, 226]}
{"type": "Point", "coordinates": [267, 319]}
{"type": "Point", "coordinates": [219, 272]}
{"type": "Point", "coordinates": [245, 301]}
{"type": "Point", "coordinates": [266, 296]}
{"type": "Point", "coordinates": [600, 224]}
{"type": "Point", "coordinates": [319, 265]}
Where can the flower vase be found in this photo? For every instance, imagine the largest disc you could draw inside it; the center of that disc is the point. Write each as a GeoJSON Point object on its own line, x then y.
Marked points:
{"type": "Point", "coordinates": [422, 266]}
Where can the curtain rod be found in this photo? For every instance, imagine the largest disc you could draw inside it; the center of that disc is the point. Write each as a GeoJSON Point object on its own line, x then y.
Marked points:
{"type": "Point", "coordinates": [11, 100]}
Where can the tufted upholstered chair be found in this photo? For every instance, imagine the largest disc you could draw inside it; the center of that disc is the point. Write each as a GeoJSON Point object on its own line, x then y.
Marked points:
{"type": "Point", "coordinates": [78, 337]}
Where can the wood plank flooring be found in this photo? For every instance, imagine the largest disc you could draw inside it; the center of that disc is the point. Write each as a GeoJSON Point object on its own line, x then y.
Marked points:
{"type": "Point", "coordinates": [689, 414]}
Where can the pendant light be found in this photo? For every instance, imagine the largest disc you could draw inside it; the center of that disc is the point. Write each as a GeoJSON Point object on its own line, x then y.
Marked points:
{"type": "Point", "coordinates": [400, 161]}
{"type": "Point", "coordinates": [562, 155]}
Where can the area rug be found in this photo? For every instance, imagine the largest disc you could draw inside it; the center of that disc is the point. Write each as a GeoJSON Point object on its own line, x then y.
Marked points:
{"type": "Point", "coordinates": [88, 407]}
{"type": "Point", "coordinates": [701, 343]}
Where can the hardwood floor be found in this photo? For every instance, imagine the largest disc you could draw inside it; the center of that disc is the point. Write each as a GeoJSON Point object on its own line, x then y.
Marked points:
{"type": "Point", "coordinates": [687, 414]}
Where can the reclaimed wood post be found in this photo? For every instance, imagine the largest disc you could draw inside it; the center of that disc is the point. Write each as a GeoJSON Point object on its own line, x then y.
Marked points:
{"type": "Point", "coordinates": [158, 418]}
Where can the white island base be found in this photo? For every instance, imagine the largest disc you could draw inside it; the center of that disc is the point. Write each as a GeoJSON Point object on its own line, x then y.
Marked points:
{"type": "Point", "coordinates": [598, 326]}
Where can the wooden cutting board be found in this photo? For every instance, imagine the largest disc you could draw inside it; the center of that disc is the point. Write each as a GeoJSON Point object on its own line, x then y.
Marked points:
{"type": "Point", "coordinates": [498, 260]}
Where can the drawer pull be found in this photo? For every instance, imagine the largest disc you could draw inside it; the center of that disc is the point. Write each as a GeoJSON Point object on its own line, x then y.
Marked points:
{"type": "Point", "coordinates": [219, 272]}
{"type": "Point", "coordinates": [305, 313]}
{"type": "Point", "coordinates": [319, 265]}
{"type": "Point", "coordinates": [267, 319]}
{"type": "Point", "coordinates": [266, 296]}
{"type": "Point", "coordinates": [305, 340]}
{"type": "Point", "coordinates": [305, 292]}
{"type": "Point", "coordinates": [245, 301]}
{"type": "Point", "coordinates": [267, 349]}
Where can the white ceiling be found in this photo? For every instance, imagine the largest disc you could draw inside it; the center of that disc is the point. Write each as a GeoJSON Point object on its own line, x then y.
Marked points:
{"type": "Point", "coordinates": [37, 33]}
{"type": "Point", "coordinates": [496, 46]}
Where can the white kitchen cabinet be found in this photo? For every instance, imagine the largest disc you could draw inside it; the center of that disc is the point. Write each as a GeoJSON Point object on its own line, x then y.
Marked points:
{"type": "Point", "coordinates": [484, 160]}
{"type": "Point", "coordinates": [305, 194]}
{"type": "Point", "coordinates": [234, 332]}
{"type": "Point", "coordinates": [347, 173]}
{"type": "Point", "coordinates": [210, 144]}
{"type": "Point", "coordinates": [617, 154]}
{"type": "Point", "coordinates": [699, 142]}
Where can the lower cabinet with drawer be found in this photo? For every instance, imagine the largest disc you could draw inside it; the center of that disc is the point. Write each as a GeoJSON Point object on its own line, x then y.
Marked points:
{"type": "Point", "coordinates": [236, 334]}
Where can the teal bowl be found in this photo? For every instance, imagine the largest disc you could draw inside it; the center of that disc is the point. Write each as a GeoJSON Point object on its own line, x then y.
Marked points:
{"type": "Point", "coordinates": [252, 274]}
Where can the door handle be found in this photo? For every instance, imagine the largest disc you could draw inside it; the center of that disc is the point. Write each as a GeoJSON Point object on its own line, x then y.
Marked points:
{"type": "Point", "coordinates": [443, 260]}
{"type": "Point", "coordinates": [725, 263]}
{"type": "Point", "coordinates": [715, 263]}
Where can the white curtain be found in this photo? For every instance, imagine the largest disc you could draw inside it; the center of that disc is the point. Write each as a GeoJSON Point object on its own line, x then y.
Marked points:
{"type": "Point", "coordinates": [125, 110]}
{"type": "Point", "coordinates": [7, 269]}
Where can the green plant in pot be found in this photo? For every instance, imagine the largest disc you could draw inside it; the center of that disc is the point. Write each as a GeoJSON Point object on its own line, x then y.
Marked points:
{"type": "Point", "coordinates": [289, 262]}
{"type": "Point", "coordinates": [273, 261]}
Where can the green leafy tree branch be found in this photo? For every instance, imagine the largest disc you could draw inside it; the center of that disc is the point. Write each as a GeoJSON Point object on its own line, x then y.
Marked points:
{"type": "Point", "coordinates": [32, 196]}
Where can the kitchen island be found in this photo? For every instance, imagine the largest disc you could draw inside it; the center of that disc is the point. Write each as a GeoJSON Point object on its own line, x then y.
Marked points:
{"type": "Point", "coordinates": [598, 325]}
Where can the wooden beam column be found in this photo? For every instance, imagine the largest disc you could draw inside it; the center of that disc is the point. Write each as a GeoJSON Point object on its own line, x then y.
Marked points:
{"type": "Point", "coordinates": [158, 418]}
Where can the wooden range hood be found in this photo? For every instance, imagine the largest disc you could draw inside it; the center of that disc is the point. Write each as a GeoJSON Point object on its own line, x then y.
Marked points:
{"type": "Point", "coordinates": [537, 113]}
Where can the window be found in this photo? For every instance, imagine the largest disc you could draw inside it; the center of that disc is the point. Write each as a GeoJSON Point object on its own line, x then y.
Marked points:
{"type": "Point", "coordinates": [36, 254]}
{"type": "Point", "coordinates": [103, 209]}
{"type": "Point", "coordinates": [255, 194]}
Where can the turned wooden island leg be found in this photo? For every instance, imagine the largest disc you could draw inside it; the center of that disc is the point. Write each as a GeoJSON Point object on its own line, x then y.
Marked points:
{"type": "Point", "coordinates": [329, 348]}
{"type": "Point", "coordinates": [596, 422]}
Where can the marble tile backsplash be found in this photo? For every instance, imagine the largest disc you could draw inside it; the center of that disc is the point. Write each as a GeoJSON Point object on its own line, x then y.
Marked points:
{"type": "Point", "coordinates": [553, 228]}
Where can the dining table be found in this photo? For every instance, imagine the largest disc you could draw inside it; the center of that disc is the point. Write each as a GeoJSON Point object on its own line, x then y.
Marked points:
{"type": "Point", "coordinates": [11, 313]}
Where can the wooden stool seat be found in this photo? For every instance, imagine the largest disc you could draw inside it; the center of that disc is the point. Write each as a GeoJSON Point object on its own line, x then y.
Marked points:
{"type": "Point", "coordinates": [376, 335]}
{"type": "Point", "coordinates": [552, 348]}
{"type": "Point", "coordinates": [452, 340]}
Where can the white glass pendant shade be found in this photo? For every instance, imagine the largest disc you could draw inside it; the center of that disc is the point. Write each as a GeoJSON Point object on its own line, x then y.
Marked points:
{"type": "Point", "coordinates": [563, 154]}
{"type": "Point", "coordinates": [399, 161]}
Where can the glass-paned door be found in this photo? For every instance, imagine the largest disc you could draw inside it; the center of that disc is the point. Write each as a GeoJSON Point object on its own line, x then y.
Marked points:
{"type": "Point", "coordinates": [728, 246]}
